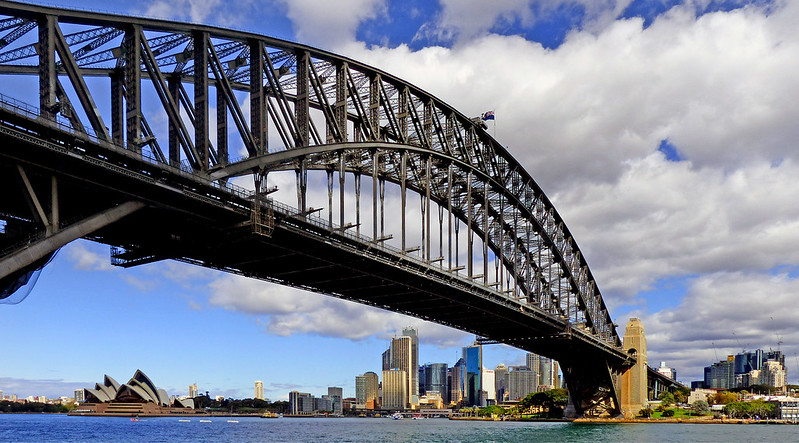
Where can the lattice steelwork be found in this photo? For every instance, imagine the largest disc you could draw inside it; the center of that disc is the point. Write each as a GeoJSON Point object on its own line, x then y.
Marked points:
{"type": "Point", "coordinates": [330, 114]}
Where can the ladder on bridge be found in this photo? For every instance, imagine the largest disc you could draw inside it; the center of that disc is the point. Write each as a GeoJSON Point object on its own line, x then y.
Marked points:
{"type": "Point", "coordinates": [262, 216]}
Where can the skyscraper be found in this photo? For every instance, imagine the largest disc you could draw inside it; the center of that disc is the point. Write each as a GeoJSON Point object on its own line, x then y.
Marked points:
{"type": "Point", "coordinates": [501, 382]}
{"type": "Point", "coordinates": [80, 395]}
{"type": "Point", "coordinates": [259, 390]}
{"type": "Point", "coordinates": [436, 380]}
{"type": "Point", "coordinates": [456, 381]}
{"type": "Point", "coordinates": [472, 377]}
{"type": "Point", "coordinates": [413, 392]}
{"type": "Point", "coordinates": [366, 391]}
{"type": "Point", "coordinates": [488, 394]}
{"type": "Point", "coordinates": [387, 359]}
{"type": "Point", "coordinates": [521, 381]}
{"type": "Point", "coordinates": [193, 391]}
{"type": "Point", "coordinates": [395, 389]}
{"type": "Point", "coordinates": [336, 394]}
{"type": "Point", "coordinates": [401, 358]}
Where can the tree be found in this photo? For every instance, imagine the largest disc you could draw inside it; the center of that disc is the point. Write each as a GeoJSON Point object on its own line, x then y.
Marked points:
{"type": "Point", "coordinates": [700, 407]}
{"type": "Point", "coordinates": [646, 412]}
{"type": "Point", "coordinates": [722, 398]}
{"type": "Point", "coordinates": [668, 413]}
{"type": "Point", "coordinates": [666, 398]}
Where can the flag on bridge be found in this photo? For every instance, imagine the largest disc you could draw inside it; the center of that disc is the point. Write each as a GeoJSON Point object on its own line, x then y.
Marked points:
{"type": "Point", "coordinates": [488, 115]}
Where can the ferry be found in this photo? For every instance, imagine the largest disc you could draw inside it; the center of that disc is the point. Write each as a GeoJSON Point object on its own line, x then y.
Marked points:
{"type": "Point", "coordinates": [396, 416]}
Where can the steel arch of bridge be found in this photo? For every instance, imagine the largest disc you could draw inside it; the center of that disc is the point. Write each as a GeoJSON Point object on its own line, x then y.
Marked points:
{"type": "Point", "coordinates": [329, 113]}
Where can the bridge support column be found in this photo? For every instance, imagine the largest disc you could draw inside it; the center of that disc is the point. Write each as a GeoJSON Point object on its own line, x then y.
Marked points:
{"type": "Point", "coordinates": [592, 385]}
{"type": "Point", "coordinates": [634, 380]}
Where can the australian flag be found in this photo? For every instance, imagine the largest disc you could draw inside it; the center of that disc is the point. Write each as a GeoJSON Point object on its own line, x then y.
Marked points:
{"type": "Point", "coordinates": [488, 115]}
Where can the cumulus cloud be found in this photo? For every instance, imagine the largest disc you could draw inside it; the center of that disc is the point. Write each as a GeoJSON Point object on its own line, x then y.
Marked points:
{"type": "Point", "coordinates": [462, 20]}
{"type": "Point", "coordinates": [198, 11]}
{"type": "Point", "coordinates": [88, 257]}
{"type": "Point", "coordinates": [285, 311]}
{"type": "Point", "coordinates": [722, 314]}
{"type": "Point", "coordinates": [330, 24]}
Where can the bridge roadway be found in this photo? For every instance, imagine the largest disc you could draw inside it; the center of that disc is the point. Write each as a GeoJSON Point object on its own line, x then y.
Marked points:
{"type": "Point", "coordinates": [119, 188]}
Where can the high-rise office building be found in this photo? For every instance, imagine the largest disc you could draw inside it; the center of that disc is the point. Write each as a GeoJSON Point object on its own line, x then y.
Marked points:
{"type": "Point", "coordinates": [366, 391]}
{"type": "Point", "coordinates": [401, 358]}
{"type": "Point", "coordinates": [435, 380]}
{"type": "Point", "coordinates": [395, 389]}
{"type": "Point", "coordinates": [547, 370]}
{"type": "Point", "coordinates": [259, 390]}
{"type": "Point", "coordinates": [387, 359]}
{"type": "Point", "coordinates": [456, 381]}
{"type": "Point", "coordinates": [300, 403]}
{"type": "Point", "coordinates": [521, 381]}
{"type": "Point", "coordinates": [336, 395]}
{"type": "Point", "coordinates": [80, 395]}
{"type": "Point", "coordinates": [413, 392]}
{"type": "Point", "coordinates": [488, 394]}
{"type": "Point", "coordinates": [193, 391]}
{"type": "Point", "coordinates": [501, 382]}
{"type": "Point", "coordinates": [472, 376]}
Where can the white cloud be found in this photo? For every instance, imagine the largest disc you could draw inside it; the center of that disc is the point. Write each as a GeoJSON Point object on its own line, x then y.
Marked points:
{"type": "Point", "coordinates": [329, 24]}
{"type": "Point", "coordinates": [198, 11]}
{"type": "Point", "coordinates": [88, 257]}
{"type": "Point", "coordinates": [286, 311]}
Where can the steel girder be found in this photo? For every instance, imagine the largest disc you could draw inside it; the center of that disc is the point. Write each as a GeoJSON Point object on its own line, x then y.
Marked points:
{"type": "Point", "coordinates": [329, 112]}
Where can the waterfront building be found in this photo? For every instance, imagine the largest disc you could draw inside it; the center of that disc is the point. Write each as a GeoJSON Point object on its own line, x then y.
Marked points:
{"type": "Point", "coordinates": [300, 403]}
{"type": "Point", "coordinates": [435, 380]}
{"type": "Point", "coordinates": [472, 377]}
{"type": "Point", "coordinates": [336, 395]}
{"type": "Point", "coordinates": [193, 391]}
{"type": "Point", "coordinates": [521, 381]}
{"type": "Point", "coordinates": [787, 408]}
{"type": "Point", "coordinates": [456, 381]}
{"type": "Point", "coordinates": [366, 390]}
{"type": "Point", "coordinates": [139, 396]}
{"type": "Point", "coordinates": [401, 358]}
{"type": "Point", "coordinates": [79, 395]}
{"type": "Point", "coordinates": [500, 382]}
{"type": "Point", "coordinates": [431, 400]}
{"type": "Point", "coordinates": [395, 389]}
{"type": "Point", "coordinates": [533, 362]}
{"type": "Point", "coordinates": [259, 390]}
{"type": "Point", "coordinates": [323, 404]}
{"type": "Point", "coordinates": [413, 392]}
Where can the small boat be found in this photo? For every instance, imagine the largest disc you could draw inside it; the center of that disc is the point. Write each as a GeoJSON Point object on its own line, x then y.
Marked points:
{"type": "Point", "coordinates": [205, 421]}
{"type": "Point", "coordinates": [418, 417]}
{"type": "Point", "coordinates": [184, 420]}
{"type": "Point", "coordinates": [232, 421]}
{"type": "Point", "coordinates": [396, 416]}
{"type": "Point", "coordinates": [269, 415]}
{"type": "Point", "coordinates": [134, 419]}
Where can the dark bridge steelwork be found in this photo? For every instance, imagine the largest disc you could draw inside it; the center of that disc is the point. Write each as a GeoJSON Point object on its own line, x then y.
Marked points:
{"type": "Point", "coordinates": [156, 183]}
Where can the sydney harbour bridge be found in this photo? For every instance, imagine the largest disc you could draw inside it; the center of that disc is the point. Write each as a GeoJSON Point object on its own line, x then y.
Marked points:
{"type": "Point", "coordinates": [164, 140]}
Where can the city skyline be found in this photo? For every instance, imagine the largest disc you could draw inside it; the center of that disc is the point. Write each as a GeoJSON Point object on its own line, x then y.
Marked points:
{"type": "Point", "coordinates": [708, 272]}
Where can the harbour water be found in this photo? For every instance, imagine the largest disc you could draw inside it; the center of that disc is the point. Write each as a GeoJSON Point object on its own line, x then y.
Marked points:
{"type": "Point", "coordinates": [60, 428]}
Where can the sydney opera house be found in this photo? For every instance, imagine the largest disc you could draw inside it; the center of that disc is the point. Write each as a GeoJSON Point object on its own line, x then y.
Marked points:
{"type": "Point", "coordinates": [139, 396]}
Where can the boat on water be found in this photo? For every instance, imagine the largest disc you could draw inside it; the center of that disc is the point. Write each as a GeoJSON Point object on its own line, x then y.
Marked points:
{"type": "Point", "coordinates": [205, 421]}
{"type": "Point", "coordinates": [184, 420]}
{"type": "Point", "coordinates": [418, 417]}
{"type": "Point", "coordinates": [232, 421]}
{"type": "Point", "coordinates": [134, 419]}
{"type": "Point", "coordinates": [396, 416]}
{"type": "Point", "coordinates": [269, 415]}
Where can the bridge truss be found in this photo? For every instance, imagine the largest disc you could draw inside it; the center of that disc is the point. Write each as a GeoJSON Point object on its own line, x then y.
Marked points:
{"type": "Point", "coordinates": [134, 98]}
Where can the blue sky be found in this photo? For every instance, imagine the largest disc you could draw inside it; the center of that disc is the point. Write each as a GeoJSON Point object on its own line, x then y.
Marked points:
{"type": "Point", "coordinates": [662, 131]}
